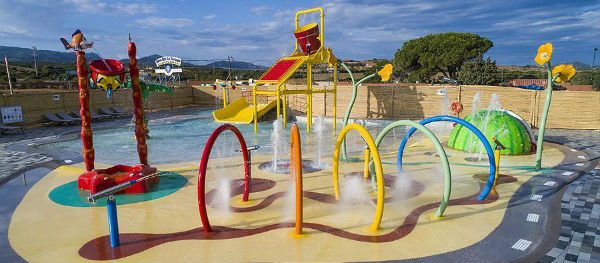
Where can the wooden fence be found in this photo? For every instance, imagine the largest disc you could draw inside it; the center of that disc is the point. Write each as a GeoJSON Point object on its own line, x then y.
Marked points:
{"type": "Point", "coordinates": [569, 109]}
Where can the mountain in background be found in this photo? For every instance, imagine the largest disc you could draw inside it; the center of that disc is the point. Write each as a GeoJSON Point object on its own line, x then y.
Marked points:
{"type": "Point", "coordinates": [579, 65]}
{"type": "Point", "coordinates": [18, 54]}
{"type": "Point", "coordinates": [235, 65]}
{"type": "Point", "coordinates": [144, 61]}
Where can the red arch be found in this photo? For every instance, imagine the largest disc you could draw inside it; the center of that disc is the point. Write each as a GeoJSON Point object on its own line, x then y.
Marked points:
{"type": "Point", "coordinates": [204, 163]}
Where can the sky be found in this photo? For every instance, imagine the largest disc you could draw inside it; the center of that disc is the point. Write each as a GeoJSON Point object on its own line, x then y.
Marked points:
{"type": "Point", "coordinates": [262, 31]}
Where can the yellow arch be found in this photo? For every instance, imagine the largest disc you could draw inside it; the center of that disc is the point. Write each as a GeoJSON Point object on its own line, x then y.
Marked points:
{"type": "Point", "coordinates": [378, 168]}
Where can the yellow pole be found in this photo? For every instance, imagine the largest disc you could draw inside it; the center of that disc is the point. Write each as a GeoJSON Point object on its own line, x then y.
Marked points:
{"type": "Point", "coordinates": [334, 98]}
{"type": "Point", "coordinates": [308, 96]}
{"type": "Point", "coordinates": [322, 36]}
{"type": "Point", "coordinates": [499, 147]}
{"type": "Point", "coordinates": [255, 108]}
{"type": "Point", "coordinates": [277, 98]}
{"type": "Point", "coordinates": [497, 157]}
{"type": "Point", "coordinates": [224, 97]}
{"type": "Point", "coordinates": [366, 164]}
{"type": "Point", "coordinates": [284, 99]}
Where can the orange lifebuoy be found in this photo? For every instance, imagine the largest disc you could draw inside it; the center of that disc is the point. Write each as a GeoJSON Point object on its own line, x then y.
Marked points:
{"type": "Point", "coordinates": [456, 107]}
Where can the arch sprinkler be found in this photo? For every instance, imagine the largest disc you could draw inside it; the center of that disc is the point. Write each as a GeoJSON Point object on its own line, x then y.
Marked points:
{"type": "Point", "coordinates": [378, 168]}
{"type": "Point", "coordinates": [204, 163]}
{"type": "Point", "coordinates": [296, 171]}
{"type": "Point", "coordinates": [441, 153]}
{"type": "Point", "coordinates": [477, 132]}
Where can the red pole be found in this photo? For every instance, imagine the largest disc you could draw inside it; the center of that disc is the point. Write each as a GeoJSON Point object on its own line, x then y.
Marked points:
{"type": "Point", "coordinates": [84, 102]}
{"type": "Point", "coordinates": [138, 108]}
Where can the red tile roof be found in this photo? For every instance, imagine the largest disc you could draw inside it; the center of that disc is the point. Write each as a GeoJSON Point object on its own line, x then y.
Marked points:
{"type": "Point", "coordinates": [527, 82]}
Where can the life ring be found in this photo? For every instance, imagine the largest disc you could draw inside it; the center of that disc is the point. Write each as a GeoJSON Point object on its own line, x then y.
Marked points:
{"type": "Point", "coordinates": [456, 107]}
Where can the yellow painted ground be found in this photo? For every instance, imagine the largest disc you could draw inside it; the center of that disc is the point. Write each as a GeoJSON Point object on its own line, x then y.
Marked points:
{"type": "Point", "coordinates": [43, 231]}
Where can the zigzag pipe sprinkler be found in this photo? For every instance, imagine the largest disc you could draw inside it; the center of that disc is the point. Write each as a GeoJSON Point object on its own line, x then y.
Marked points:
{"type": "Point", "coordinates": [296, 172]}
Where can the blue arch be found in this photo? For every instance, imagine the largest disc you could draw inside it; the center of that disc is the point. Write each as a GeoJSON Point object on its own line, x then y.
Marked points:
{"type": "Point", "coordinates": [482, 138]}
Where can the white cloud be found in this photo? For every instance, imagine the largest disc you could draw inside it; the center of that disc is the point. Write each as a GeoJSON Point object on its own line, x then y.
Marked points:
{"type": "Point", "coordinates": [209, 16]}
{"type": "Point", "coordinates": [136, 8]}
{"type": "Point", "coordinates": [12, 29]}
{"type": "Point", "coordinates": [260, 10]}
{"type": "Point", "coordinates": [164, 22]}
{"type": "Point", "coordinates": [111, 8]}
{"type": "Point", "coordinates": [87, 5]}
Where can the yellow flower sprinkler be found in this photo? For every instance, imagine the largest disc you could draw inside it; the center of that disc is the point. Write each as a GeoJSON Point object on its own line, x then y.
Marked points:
{"type": "Point", "coordinates": [544, 54]}
{"type": "Point", "coordinates": [560, 73]}
{"type": "Point", "coordinates": [385, 74]}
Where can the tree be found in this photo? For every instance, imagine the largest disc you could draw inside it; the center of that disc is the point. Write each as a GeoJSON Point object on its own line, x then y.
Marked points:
{"type": "Point", "coordinates": [444, 52]}
{"type": "Point", "coordinates": [478, 72]}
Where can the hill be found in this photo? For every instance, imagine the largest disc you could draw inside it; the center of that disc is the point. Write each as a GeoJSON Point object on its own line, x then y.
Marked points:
{"type": "Point", "coordinates": [235, 65]}
{"type": "Point", "coordinates": [580, 65]}
{"type": "Point", "coordinates": [18, 54]}
{"type": "Point", "coordinates": [144, 61]}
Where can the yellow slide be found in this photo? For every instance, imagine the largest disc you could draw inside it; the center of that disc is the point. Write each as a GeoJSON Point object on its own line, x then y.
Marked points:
{"type": "Point", "coordinates": [240, 111]}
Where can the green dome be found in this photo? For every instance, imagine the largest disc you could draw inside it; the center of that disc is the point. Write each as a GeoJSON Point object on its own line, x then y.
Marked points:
{"type": "Point", "coordinates": [507, 129]}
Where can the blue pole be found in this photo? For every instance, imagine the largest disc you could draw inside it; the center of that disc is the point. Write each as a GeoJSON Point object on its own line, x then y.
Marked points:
{"type": "Point", "coordinates": [482, 138]}
{"type": "Point", "coordinates": [113, 223]}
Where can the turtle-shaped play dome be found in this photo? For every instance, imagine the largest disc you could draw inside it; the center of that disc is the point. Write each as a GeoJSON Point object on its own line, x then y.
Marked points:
{"type": "Point", "coordinates": [508, 130]}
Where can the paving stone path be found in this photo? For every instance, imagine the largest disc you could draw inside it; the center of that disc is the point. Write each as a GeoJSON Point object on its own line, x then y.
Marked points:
{"type": "Point", "coordinates": [579, 239]}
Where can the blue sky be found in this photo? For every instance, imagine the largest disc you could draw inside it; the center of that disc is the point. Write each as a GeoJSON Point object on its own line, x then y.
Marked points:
{"type": "Point", "coordinates": [261, 31]}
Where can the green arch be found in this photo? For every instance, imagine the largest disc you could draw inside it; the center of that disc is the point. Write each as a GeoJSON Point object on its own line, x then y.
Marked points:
{"type": "Point", "coordinates": [441, 153]}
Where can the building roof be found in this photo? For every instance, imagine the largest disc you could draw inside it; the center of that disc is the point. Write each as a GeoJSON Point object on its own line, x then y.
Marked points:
{"type": "Point", "coordinates": [543, 82]}
{"type": "Point", "coordinates": [572, 87]}
{"type": "Point", "coordinates": [527, 82]}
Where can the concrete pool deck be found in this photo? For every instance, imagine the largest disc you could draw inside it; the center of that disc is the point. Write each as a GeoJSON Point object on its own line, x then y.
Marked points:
{"type": "Point", "coordinates": [500, 243]}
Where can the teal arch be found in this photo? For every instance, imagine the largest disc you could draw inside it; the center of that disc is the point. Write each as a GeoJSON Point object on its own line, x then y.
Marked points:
{"type": "Point", "coordinates": [441, 153]}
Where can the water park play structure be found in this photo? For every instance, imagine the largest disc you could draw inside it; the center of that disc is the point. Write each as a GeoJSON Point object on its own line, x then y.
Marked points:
{"type": "Point", "coordinates": [368, 203]}
{"type": "Point", "coordinates": [310, 49]}
{"type": "Point", "coordinates": [103, 73]}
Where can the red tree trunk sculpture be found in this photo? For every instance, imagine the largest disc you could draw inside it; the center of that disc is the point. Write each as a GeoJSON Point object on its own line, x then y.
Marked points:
{"type": "Point", "coordinates": [140, 130]}
{"type": "Point", "coordinates": [84, 101]}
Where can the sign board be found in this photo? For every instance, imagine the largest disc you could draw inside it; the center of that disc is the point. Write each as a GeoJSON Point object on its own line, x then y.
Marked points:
{"type": "Point", "coordinates": [167, 70]}
{"type": "Point", "coordinates": [11, 114]}
{"type": "Point", "coordinates": [170, 60]}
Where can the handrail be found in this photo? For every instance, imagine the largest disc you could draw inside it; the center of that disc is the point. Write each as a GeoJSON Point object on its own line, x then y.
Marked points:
{"type": "Point", "coordinates": [482, 138]}
{"type": "Point", "coordinates": [296, 171]}
{"type": "Point", "coordinates": [322, 29]}
{"type": "Point", "coordinates": [441, 153]}
{"type": "Point", "coordinates": [378, 168]}
{"type": "Point", "coordinates": [204, 163]}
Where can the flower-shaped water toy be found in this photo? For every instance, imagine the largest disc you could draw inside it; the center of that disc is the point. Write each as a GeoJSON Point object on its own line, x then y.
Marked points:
{"type": "Point", "coordinates": [385, 72]}
{"type": "Point", "coordinates": [544, 54]}
{"type": "Point", "coordinates": [563, 72]}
